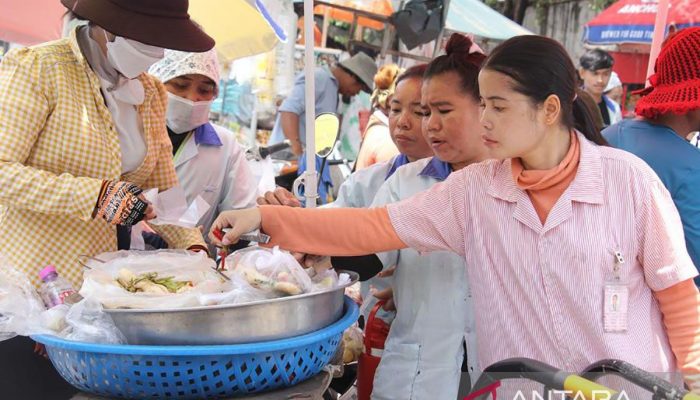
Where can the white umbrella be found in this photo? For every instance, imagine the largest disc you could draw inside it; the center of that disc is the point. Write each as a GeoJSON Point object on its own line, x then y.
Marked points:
{"type": "Point", "coordinates": [240, 27]}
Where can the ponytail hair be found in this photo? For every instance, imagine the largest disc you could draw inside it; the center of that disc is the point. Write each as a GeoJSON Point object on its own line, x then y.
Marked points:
{"type": "Point", "coordinates": [583, 122]}
{"type": "Point", "coordinates": [464, 58]}
{"type": "Point", "coordinates": [540, 67]}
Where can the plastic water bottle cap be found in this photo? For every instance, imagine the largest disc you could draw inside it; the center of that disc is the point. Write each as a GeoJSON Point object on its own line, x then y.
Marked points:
{"type": "Point", "coordinates": [47, 271]}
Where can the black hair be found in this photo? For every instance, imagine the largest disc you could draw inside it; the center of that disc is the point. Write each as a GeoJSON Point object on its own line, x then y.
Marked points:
{"type": "Point", "coordinates": [540, 67]}
{"type": "Point", "coordinates": [458, 59]}
{"type": "Point", "coordinates": [596, 59]}
{"type": "Point", "coordinates": [416, 71]}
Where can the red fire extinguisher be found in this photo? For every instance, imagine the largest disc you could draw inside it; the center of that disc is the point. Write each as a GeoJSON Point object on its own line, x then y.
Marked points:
{"type": "Point", "coordinates": [376, 332]}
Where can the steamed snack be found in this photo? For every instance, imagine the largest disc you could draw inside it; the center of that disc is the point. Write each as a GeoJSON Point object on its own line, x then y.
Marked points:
{"type": "Point", "coordinates": [151, 283]}
{"type": "Point", "coordinates": [288, 288]}
{"type": "Point", "coordinates": [282, 284]}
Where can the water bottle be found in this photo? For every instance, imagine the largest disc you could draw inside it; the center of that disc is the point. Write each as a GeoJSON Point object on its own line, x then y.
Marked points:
{"type": "Point", "coordinates": [54, 289]}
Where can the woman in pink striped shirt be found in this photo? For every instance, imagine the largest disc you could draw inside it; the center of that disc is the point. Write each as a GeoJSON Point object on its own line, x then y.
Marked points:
{"type": "Point", "coordinates": [575, 251]}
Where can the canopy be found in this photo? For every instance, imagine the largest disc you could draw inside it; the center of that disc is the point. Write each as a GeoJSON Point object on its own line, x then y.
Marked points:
{"type": "Point", "coordinates": [475, 17]}
{"type": "Point", "coordinates": [379, 7]}
{"type": "Point", "coordinates": [22, 22]}
{"type": "Point", "coordinates": [240, 27]}
{"type": "Point", "coordinates": [632, 21]}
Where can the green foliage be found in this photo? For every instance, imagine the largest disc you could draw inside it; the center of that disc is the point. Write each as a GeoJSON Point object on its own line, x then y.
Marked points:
{"type": "Point", "coordinates": [600, 5]}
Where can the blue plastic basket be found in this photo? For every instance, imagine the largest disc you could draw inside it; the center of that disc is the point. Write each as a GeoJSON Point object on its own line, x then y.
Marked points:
{"type": "Point", "coordinates": [196, 372]}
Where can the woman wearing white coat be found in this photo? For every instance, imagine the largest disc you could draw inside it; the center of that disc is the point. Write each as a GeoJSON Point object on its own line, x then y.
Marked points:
{"type": "Point", "coordinates": [208, 160]}
{"type": "Point", "coordinates": [424, 350]}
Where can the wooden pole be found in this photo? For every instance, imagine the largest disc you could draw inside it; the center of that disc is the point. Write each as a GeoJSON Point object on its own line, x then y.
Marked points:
{"type": "Point", "coordinates": [658, 37]}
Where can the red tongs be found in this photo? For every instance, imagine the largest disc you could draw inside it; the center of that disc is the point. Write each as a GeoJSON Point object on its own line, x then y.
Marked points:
{"type": "Point", "coordinates": [219, 234]}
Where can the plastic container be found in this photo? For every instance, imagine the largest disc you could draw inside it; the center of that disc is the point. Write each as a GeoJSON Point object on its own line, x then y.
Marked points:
{"type": "Point", "coordinates": [376, 332]}
{"type": "Point", "coordinates": [54, 288]}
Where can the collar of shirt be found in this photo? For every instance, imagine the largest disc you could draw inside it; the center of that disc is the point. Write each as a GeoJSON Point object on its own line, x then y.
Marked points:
{"type": "Point", "coordinates": [436, 169]}
{"type": "Point", "coordinates": [608, 102]}
{"type": "Point", "coordinates": [397, 162]}
{"type": "Point", "coordinates": [328, 70]}
{"type": "Point", "coordinates": [206, 134]}
{"type": "Point", "coordinates": [94, 56]}
{"type": "Point", "coordinates": [585, 187]}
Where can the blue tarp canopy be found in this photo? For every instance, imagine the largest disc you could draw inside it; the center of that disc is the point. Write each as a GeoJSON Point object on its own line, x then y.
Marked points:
{"type": "Point", "coordinates": [475, 17]}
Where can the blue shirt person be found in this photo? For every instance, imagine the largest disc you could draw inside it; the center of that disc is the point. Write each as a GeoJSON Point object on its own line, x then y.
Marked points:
{"type": "Point", "coordinates": [675, 160]}
{"type": "Point", "coordinates": [346, 78]}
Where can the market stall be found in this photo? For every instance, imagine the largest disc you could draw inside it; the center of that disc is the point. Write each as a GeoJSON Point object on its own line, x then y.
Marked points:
{"type": "Point", "coordinates": [626, 29]}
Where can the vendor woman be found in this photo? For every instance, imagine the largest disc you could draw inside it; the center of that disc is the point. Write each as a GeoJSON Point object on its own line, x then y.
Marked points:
{"type": "Point", "coordinates": [82, 133]}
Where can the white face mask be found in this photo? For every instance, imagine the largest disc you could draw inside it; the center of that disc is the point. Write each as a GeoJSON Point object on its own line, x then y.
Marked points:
{"type": "Point", "coordinates": [132, 58]}
{"type": "Point", "coordinates": [184, 115]}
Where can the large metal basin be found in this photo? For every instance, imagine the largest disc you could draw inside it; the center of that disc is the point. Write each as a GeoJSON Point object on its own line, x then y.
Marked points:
{"type": "Point", "coordinates": [257, 321]}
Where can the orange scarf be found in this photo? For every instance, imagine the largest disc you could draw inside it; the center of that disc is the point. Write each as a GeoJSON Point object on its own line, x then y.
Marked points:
{"type": "Point", "coordinates": [546, 186]}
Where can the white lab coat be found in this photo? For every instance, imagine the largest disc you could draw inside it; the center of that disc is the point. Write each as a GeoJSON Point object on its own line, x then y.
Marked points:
{"type": "Point", "coordinates": [424, 352]}
{"type": "Point", "coordinates": [359, 189]}
{"type": "Point", "coordinates": [220, 174]}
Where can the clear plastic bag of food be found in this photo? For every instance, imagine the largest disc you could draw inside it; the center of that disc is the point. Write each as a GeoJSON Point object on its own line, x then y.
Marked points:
{"type": "Point", "coordinates": [271, 270]}
{"type": "Point", "coordinates": [325, 280]}
{"type": "Point", "coordinates": [236, 291]}
{"type": "Point", "coordinates": [87, 322]}
{"type": "Point", "coordinates": [150, 279]}
{"type": "Point", "coordinates": [328, 279]}
{"type": "Point", "coordinates": [20, 305]}
{"type": "Point", "coordinates": [353, 344]}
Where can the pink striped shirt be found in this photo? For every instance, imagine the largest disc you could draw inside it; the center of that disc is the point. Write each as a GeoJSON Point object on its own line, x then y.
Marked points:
{"type": "Point", "coordinates": [538, 290]}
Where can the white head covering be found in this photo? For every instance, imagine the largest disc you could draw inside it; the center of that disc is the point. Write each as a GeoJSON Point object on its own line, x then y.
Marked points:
{"type": "Point", "coordinates": [613, 82]}
{"type": "Point", "coordinates": [179, 63]}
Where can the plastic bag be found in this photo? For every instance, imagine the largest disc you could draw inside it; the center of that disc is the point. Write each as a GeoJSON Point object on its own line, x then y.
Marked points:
{"type": "Point", "coordinates": [20, 305]}
{"type": "Point", "coordinates": [271, 270]}
{"type": "Point", "coordinates": [236, 291]}
{"type": "Point", "coordinates": [353, 292]}
{"type": "Point", "coordinates": [325, 280]}
{"type": "Point", "coordinates": [54, 318]}
{"type": "Point", "coordinates": [328, 279]}
{"type": "Point", "coordinates": [100, 281]}
{"type": "Point", "coordinates": [353, 343]}
{"type": "Point", "coordinates": [87, 322]}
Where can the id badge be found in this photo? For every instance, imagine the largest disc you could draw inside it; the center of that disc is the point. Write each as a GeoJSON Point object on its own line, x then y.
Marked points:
{"type": "Point", "coordinates": [615, 307]}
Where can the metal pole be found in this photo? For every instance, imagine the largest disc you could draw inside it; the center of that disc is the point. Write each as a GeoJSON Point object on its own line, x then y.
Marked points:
{"type": "Point", "coordinates": [658, 38]}
{"type": "Point", "coordinates": [310, 178]}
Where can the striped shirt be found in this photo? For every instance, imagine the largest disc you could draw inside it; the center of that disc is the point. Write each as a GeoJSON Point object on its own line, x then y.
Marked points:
{"type": "Point", "coordinates": [538, 288]}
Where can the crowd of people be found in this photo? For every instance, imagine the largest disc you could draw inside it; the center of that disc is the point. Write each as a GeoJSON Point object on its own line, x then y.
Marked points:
{"type": "Point", "coordinates": [513, 209]}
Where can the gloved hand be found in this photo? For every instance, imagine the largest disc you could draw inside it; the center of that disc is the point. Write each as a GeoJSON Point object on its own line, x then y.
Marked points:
{"type": "Point", "coordinates": [121, 203]}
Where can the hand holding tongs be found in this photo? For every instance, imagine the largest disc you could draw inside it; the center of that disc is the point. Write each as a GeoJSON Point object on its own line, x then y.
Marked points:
{"type": "Point", "coordinates": [251, 237]}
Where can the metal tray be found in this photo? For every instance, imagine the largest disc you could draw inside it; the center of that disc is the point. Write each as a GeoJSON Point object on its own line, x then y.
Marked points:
{"type": "Point", "coordinates": [252, 322]}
